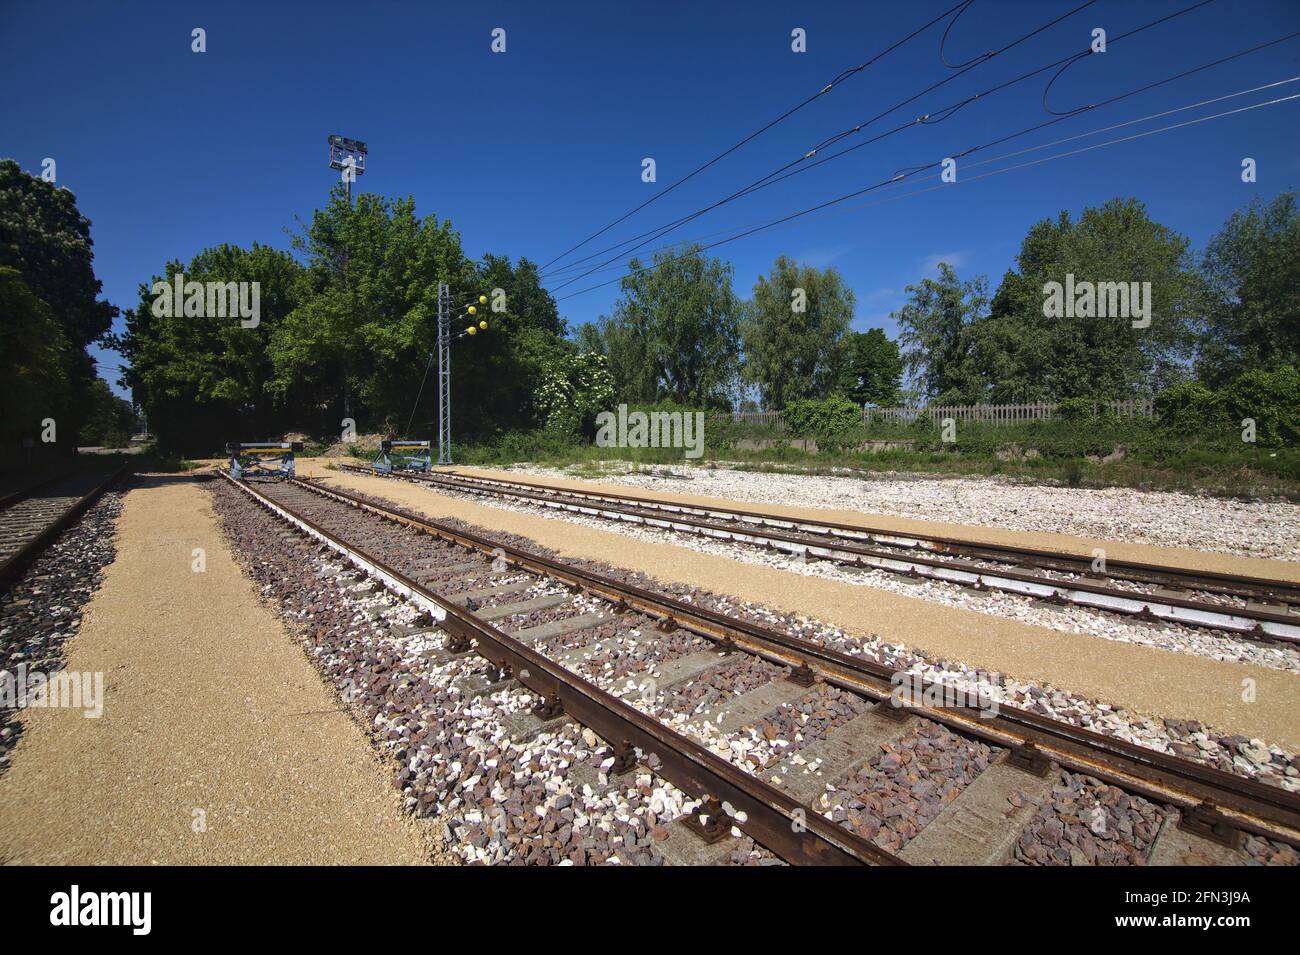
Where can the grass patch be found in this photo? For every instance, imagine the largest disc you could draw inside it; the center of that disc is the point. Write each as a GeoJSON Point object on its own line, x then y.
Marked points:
{"type": "Point", "coordinates": [1134, 453]}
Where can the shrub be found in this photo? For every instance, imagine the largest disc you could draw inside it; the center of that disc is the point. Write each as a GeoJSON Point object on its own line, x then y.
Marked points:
{"type": "Point", "coordinates": [1271, 399]}
{"type": "Point", "coordinates": [572, 391]}
{"type": "Point", "coordinates": [1188, 407]}
{"type": "Point", "coordinates": [1076, 409]}
{"type": "Point", "coordinates": [829, 420]}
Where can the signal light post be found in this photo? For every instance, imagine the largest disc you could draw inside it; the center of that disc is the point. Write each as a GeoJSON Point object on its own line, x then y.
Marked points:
{"type": "Point", "coordinates": [444, 363]}
{"type": "Point", "coordinates": [444, 374]}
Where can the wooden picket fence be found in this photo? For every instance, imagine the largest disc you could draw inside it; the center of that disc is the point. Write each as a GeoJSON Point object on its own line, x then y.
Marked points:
{"type": "Point", "coordinates": [983, 414]}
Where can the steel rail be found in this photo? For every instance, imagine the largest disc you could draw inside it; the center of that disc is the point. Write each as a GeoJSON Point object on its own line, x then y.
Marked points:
{"type": "Point", "coordinates": [1137, 571]}
{"type": "Point", "coordinates": [1213, 802]}
{"type": "Point", "coordinates": [794, 831]}
{"type": "Point", "coordinates": [16, 561]}
{"type": "Point", "coordinates": [1250, 622]}
{"type": "Point", "coordinates": [13, 497]}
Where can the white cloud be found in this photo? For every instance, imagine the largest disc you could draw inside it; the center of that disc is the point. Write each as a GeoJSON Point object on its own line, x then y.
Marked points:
{"type": "Point", "coordinates": [930, 264]}
{"type": "Point", "coordinates": [820, 258]}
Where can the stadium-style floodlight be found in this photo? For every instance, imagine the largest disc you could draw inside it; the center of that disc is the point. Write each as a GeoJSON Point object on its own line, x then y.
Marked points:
{"type": "Point", "coordinates": [347, 156]}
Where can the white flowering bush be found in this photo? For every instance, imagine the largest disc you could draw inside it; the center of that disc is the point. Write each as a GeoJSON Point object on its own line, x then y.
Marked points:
{"type": "Point", "coordinates": [573, 390]}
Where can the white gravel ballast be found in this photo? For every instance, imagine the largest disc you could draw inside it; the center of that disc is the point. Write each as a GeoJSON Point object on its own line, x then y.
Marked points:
{"type": "Point", "coordinates": [1159, 518]}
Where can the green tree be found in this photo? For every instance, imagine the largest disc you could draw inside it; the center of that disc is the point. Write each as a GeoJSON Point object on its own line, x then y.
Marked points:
{"type": "Point", "coordinates": [1252, 270]}
{"type": "Point", "coordinates": [526, 303]}
{"type": "Point", "coordinates": [873, 373]}
{"type": "Point", "coordinates": [589, 339]}
{"type": "Point", "coordinates": [793, 332]}
{"type": "Point", "coordinates": [938, 334]}
{"type": "Point", "coordinates": [674, 334]}
{"type": "Point", "coordinates": [1020, 354]}
{"type": "Point", "coordinates": [202, 381]}
{"type": "Point", "coordinates": [110, 420]}
{"type": "Point", "coordinates": [358, 342]}
{"type": "Point", "coordinates": [349, 334]}
{"type": "Point", "coordinates": [33, 354]}
{"type": "Point", "coordinates": [47, 241]}
{"type": "Point", "coordinates": [498, 374]}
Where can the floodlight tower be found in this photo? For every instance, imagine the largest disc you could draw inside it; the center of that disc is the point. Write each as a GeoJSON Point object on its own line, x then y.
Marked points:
{"type": "Point", "coordinates": [349, 157]}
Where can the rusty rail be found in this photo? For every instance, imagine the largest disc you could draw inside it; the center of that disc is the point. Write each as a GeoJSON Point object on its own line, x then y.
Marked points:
{"type": "Point", "coordinates": [16, 561]}
{"type": "Point", "coordinates": [792, 830]}
{"type": "Point", "coordinates": [1136, 571]}
{"type": "Point", "coordinates": [1253, 623]}
{"type": "Point", "coordinates": [1223, 800]}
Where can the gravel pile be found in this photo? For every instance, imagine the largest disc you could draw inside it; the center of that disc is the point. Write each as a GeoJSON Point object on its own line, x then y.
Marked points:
{"type": "Point", "coordinates": [1161, 518]}
{"type": "Point", "coordinates": [627, 663]}
{"type": "Point", "coordinates": [1086, 822]}
{"type": "Point", "coordinates": [41, 610]}
{"type": "Point", "coordinates": [898, 791]}
{"type": "Point", "coordinates": [1268, 852]}
{"type": "Point", "coordinates": [806, 721]}
{"type": "Point", "coordinates": [716, 686]}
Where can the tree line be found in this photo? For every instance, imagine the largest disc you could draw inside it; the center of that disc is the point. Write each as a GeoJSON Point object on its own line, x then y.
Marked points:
{"type": "Point", "coordinates": [50, 312]}
{"type": "Point", "coordinates": [679, 333]}
{"type": "Point", "coordinates": [347, 327]}
{"type": "Point", "coordinates": [347, 332]}
{"type": "Point", "coordinates": [1235, 308]}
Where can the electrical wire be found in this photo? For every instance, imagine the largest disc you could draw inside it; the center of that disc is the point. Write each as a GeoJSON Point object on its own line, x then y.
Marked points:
{"type": "Point", "coordinates": [788, 170]}
{"type": "Point", "coordinates": [944, 41]}
{"type": "Point", "coordinates": [1178, 109]}
{"type": "Point", "coordinates": [828, 87]}
{"type": "Point", "coordinates": [899, 178]}
{"type": "Point", "coordinates": [418, 394]}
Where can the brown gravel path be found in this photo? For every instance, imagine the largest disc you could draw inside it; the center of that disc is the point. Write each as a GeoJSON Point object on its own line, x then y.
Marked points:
{"type": "Point", "coordinates": [1061, 543]}
{"type": "Point", "coordinates": [210, 704]}
{"type": "Point", "coordinates": [1142, 679]}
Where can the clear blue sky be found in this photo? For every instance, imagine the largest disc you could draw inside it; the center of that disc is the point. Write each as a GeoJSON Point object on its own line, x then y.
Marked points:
{"type": "Point", "coordinates": [169, 151]}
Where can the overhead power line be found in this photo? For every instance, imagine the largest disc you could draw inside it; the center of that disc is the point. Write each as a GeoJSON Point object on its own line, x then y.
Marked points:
{"type": "Point", "coordinates": [799, 165]}
{"type": "Point", "coordinates": [844, 75]}
{"type": "Point", "coordinates": [944, 42]}
{"type": "Point", "coordinates": [1021, 152]}
{"type": "Point", "coordinates": [1048, 145]}
{"type": "Point", "coordinates": [904, 176]}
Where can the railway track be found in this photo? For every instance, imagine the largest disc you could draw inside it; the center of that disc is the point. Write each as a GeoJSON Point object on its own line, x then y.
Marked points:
{"type": "Point", "coordinates": [13, 497]}
{"type": "Point", "coordinates": [643, 670]}
{"type": "Point", "coordinates": [32, 518]}
{"type": "Point", "coordinates": [1253, 608]}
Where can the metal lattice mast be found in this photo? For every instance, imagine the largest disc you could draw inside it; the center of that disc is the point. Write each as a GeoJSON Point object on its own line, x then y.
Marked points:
{"type": "Point", "coordinates": [444, 374]}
